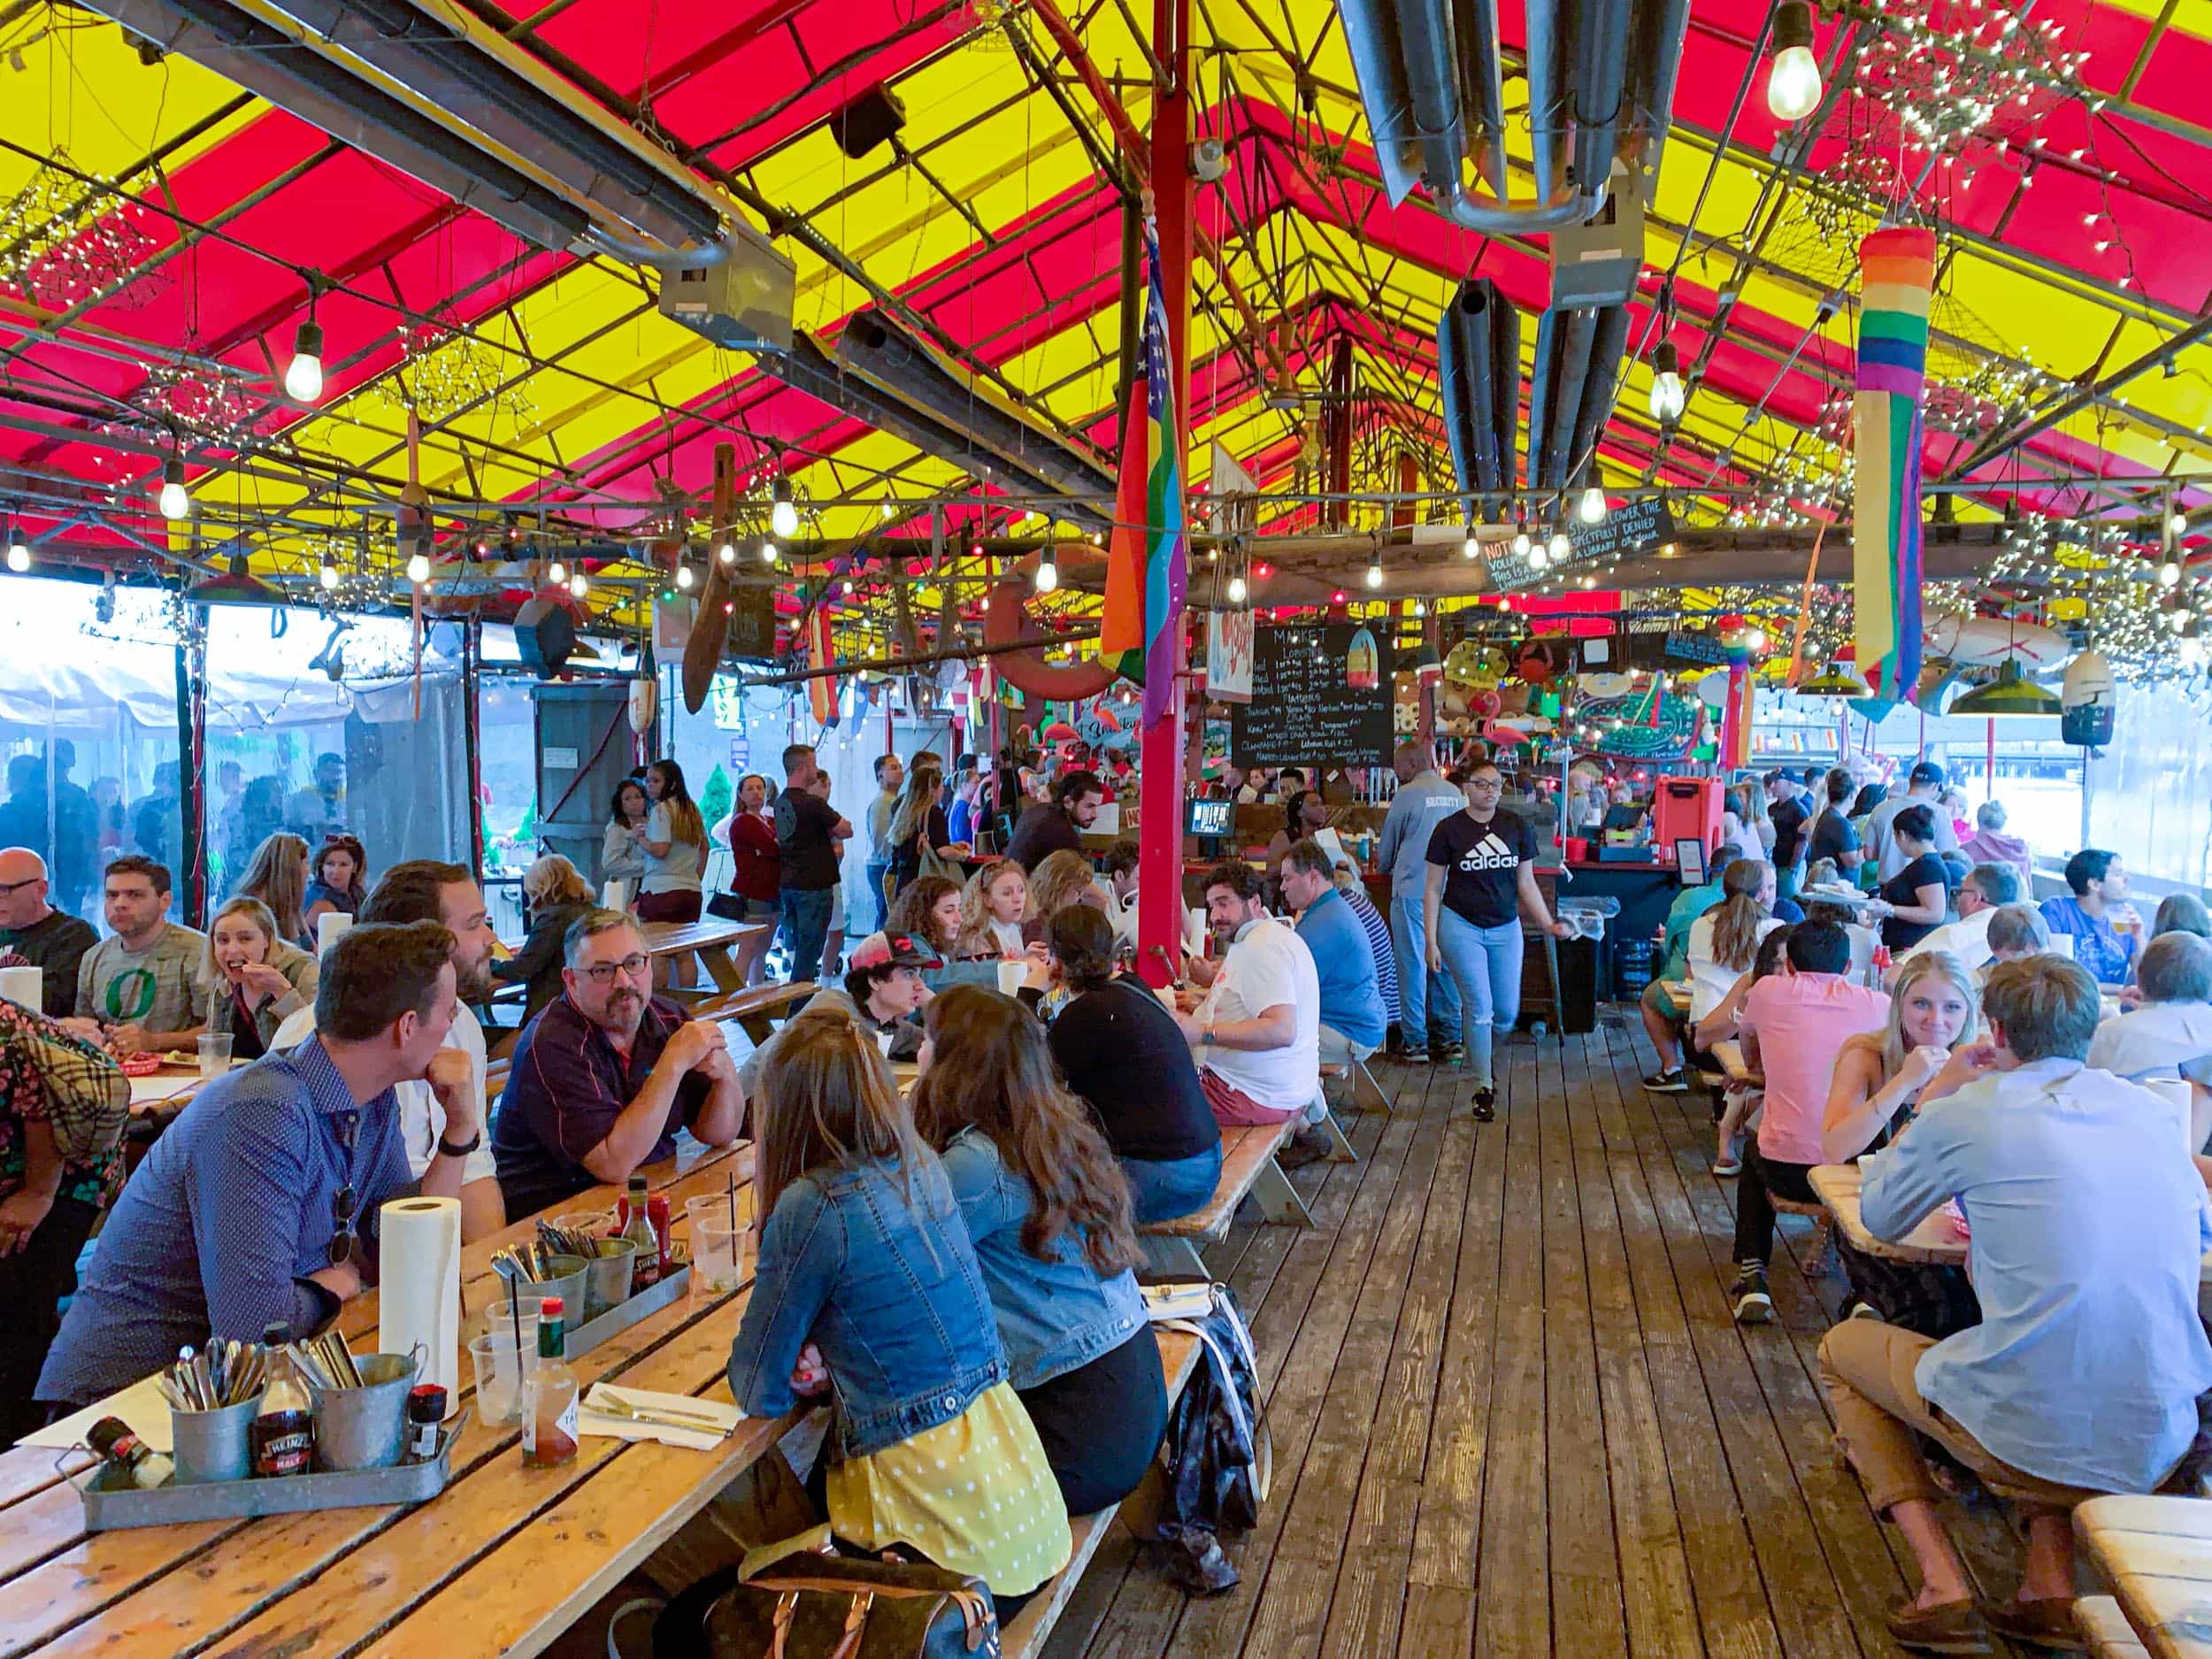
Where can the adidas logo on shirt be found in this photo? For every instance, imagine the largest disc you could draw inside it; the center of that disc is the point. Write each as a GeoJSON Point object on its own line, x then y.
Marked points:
{"type": "Point", "coordinates": [1490, 853]}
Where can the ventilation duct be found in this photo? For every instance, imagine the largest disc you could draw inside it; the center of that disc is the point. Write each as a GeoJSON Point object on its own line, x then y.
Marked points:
{"type": "Point", "coordinates": [1479, 377]}
{"type": "Point", "coordinates": [1601, 76]}
{"type": "Point", "coordinates": [455, 104]}
{"type": "Point", "coordinates": [1578, 375]}
{"type": "Point", "coordinates": [808, 368]}
{"type": "Point", "coordinates": [883, 349]}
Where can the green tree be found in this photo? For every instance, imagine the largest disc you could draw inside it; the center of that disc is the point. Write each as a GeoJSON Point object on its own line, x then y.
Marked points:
{"type": "Point", "coordinates": [714, 800]}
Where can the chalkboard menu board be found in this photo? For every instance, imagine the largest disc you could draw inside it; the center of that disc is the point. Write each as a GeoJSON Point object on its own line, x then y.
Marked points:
{"type": "Point", "coordinates": [1320, 697]}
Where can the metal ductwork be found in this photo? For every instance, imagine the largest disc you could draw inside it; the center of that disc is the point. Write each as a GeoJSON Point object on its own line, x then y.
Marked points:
{"type": "Point", "coordinates": [883, 348]}
{"type": "Point", "coordinates": [810, 369]}
{"type": "Point", "coordinates": [455, 104]}
{"type": "Point", "coordinates": [1576, 376]}
{"type": "Point", "coordinates": [1601, 77]}
{"type": "Point", "coordinates": [1478, 379]}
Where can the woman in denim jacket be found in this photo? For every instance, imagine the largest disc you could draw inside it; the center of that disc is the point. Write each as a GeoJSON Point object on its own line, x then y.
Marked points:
{"type": "Point", "coordinates": [868, 1288]}
{"type": "Point", "coordinates": [1049, 1210]}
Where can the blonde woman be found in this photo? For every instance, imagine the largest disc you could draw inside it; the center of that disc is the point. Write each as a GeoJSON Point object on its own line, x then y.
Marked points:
{"type": "Point", "coordinates": [557, 894]}
{"type": "Point", "coordinates": [255, 978]}
{"type": "Point", "coordinates": [993, 908]}
{"type": "Point", "coordinates": [1881, 1078]}
{"type": "Point", "coordinates": [1060, 880]}
{"type": "Point", "coordinates": [276, 875]}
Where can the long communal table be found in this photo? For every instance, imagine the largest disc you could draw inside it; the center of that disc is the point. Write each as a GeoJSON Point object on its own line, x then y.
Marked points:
{"type": "Point", "coordinates": [712, 942]}
{"type": "Point", "coordinates": [500, 1561]}
{"type": "Point", "coordinates": [2157, 1553]}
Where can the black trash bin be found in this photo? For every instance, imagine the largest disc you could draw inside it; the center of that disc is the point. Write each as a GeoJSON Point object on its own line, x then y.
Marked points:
{"type": "Point", "coordinates": [1578, 985]}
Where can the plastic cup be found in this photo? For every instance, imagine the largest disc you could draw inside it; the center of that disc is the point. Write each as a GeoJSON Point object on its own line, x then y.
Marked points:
{"type": "Point", "coordinates": [1010, 975]}
{"type": "Point", "coordinates": [597, 1223]}
{"type": "Point", "coordinates": [214, 1053]}
{"type": "Point", "coordinates": [719, 1249]}
{"type": "Point", "coordinates": [498, 1377]}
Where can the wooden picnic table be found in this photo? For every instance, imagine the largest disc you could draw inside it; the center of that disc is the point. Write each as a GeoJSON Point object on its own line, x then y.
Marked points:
{"type": "Point", "coordinates": [502, 1561]}
{"type": "Point", "coordinates": [1935, 1242]}
{"type": "Point", "coordinates": [1730, 1055]}
{"type": "Point", "coordinates": [2157, 1553]}
{"type": "Point", "coordinates": [711, 939]}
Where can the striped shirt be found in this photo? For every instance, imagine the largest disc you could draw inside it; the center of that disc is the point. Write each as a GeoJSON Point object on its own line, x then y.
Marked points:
{"type": "Point", "coordinates": [216, 1231]}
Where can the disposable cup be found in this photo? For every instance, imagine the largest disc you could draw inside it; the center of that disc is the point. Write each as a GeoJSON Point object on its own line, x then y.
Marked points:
{"type": "Point", "coordinates": [718, 1255]}
{"type": "Point", "coordinates": [1010, 975]}
{"type": "Point", "coordinates": [214, 1053]}
{"type": "Point", "coordinates": [499, 1378]}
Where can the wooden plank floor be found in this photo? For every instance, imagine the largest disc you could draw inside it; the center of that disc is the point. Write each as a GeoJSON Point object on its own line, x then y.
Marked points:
{"type": "Point", "coordinates": [1512, 1415]}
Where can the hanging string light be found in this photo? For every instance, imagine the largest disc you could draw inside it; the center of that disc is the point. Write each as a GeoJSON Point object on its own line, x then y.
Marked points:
{"type": "Point", "coordinates": [1794, 84]}
{"type": "Point", "coordinates": [304, 375]}
{"type": "Point", "coordinates": [1592, 507]}
{"type": "Point", "coordinates": [176, 501]}
{"type": "Point", "coordinates": [783, 514]}
{"type": "Point", "coordinates": [1668, 398]}
{"type": "Point", "coordinates": [18, 549]}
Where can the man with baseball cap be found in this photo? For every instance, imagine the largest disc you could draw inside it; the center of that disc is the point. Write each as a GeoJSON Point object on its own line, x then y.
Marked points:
{"type": "Point", "coordinates": [1923, 787]}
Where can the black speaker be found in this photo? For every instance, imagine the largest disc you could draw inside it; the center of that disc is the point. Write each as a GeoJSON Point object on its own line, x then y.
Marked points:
{"type": "Point", "coordinates": [544, 637]}
{"type": "Point", "coordinates": [868, 120]}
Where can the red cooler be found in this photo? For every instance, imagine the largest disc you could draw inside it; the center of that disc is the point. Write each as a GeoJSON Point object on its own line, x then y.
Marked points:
{"type": "Point", "coordinates": [1685, 809]}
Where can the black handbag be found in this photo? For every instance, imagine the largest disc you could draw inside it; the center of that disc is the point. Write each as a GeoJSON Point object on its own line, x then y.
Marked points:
{"type": "Point", "coordinates": [786, 1601]}
{"type": "Point", "coordinates": [730, 907]}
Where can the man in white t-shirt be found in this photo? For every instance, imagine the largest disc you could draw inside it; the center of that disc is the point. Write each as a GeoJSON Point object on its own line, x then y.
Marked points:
{"type": "Point", "coordinates": [426, 890]}
{"type": "Point", "coordinates": [1986, 889]}
{"type": "Point", "coordinates": [1256, 1033]}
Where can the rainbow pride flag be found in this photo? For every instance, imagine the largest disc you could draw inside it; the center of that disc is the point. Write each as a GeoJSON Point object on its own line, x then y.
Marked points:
{"type": "Point", "coordinates": [1898, 272]}
{"type": "Point", "coordinates": [1147, 568]}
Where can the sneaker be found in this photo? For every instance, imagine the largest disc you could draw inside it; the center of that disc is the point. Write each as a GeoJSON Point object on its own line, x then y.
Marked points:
{"type": "Point", "coordinates": [1447, 1053]}
{"type": "Point", "coordinates": [1668, 1080]}
{"type": "Point", "coordinates": [2047, 1622]}
{"type": "Point", "coordinates": [1864, 1310]}
{"type": "Point", "coordinates": [1753, 1306]}
{"type": "Point", "coordinates": [1308, 1146]}
{"type": "Point", "coordinates": [1949, 1627]}
{"type": "Point", "coordinates": [1413, 1056]}
{"type": "Point", "coordinates": [1486, 1106]}
{"type": "Point", "coordinates": [1727, 1166]}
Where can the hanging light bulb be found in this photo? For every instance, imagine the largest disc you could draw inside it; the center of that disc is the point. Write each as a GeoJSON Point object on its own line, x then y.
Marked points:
{"type": "Point", "coordinates": [783, 517]}
{"type": "Point", "coordinates": [1522, 545]}
{"type": "Point", "coordinates": [1470, 548]}
{"type": "Point", "coordinates": [19, 550]}
{"type": "Point", "coordinates": [304, 375]}
{"type": "Point", "coordinates": [1560, 547]}
{"type": "Point", "coordinates": [579, 585]}
{"type": "Point", "coordinates": [1374, 569]}
{"type": "Point", "coordinates": [1536, 557]}
{"type": "Point", "coordinates": [1237, 590]}
{"type": "Point", "coordinates": [768, 551]}
{"type": "Point", "coordinates": [2177, 521]}
{"type": "Point", "coordinates": [2169, 573]}
{"type": "Point", "coordinates": [727, 552]}
{"type": "Point", "coordinates": [1668, 399]}
{"type": "Point", "coordinates": [683, 578]}
{"type": "Point", "coordinates": [418, 568]}
{"type": "Point", "coordinates": [556, 573]}
{"type": "Point", "coordinates": [1592, 507]}
{"type": "Point", "coordinates": [888, 510]}
{"type": "Point", "coordinates": [176, 501]}
{"type": "Point", "coordinates": [1794, 81]}
{"type": "Point", "coordinates": [329, 575]}
{"type": "Point", "coordinates": [1048, 577]}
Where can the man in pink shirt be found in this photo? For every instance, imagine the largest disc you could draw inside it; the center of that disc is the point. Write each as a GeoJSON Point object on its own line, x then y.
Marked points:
{"type": "Point", "coordinates": [1792, 1026]}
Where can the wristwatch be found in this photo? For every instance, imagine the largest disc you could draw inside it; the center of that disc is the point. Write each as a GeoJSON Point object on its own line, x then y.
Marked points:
{"type": "Point", "coordinates": [452, 1151]}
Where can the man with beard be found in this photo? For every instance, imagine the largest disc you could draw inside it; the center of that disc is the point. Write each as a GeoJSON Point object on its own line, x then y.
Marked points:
{"type": "Point", "coordinates": [428, 890]}
{"type": "Point", "coordinates": [606, 1074]}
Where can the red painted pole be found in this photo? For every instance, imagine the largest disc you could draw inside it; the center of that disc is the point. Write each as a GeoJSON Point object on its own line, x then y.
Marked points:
{"type": "Point", "coordinates": [1160, 744]}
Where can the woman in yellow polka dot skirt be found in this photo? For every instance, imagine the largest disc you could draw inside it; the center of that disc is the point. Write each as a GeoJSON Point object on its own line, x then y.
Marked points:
{"type": "Point", "coordinates": [869, 1288]}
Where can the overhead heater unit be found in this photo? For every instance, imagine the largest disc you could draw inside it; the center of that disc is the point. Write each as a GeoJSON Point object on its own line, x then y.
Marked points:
{"type": "Point", "coordinates": [1576, 376]}
{"type": "Point", "coordinates": [1600, 78]}
{"type": "Point", "coordinates": [428, 89]}
{"type": "Point", "coordinates": [745, 303]}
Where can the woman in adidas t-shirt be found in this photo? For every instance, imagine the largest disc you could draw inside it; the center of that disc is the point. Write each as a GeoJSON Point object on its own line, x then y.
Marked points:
{"type": "Point", "coordinates": [1481, 883]}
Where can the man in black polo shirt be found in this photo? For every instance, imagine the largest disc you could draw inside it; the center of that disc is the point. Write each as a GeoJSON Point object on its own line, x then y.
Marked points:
{"type": "Point", "coordinates": [606, 1074]}
{"type": "Point", "coordinates": [810, 837]}
{"type": "Point", "coordinates": [1787, 811]}
{"type": "Point", "coordinates": [1045, 830]}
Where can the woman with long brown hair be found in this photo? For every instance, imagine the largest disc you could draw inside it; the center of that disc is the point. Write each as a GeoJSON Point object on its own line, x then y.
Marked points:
{"type": "Point", "coordinates": [337, 882]}
{"type": "Point", "coordinates": [277, 876]}
{"type": "Point", "coordinates": [1725, 940]}
{"type": "Point", "coordinates": [1047, 1209]}
{"type": "Point", "coordinates": [869, 1290]}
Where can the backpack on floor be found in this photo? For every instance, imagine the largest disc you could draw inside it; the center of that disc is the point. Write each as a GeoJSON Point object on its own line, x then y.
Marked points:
{"type": "Point", "coordinates": [1220, 1457]}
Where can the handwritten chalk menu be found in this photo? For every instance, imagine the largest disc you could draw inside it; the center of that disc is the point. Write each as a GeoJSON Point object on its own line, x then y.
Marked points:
{"type": "Point", "coordinates": [1320, 697]}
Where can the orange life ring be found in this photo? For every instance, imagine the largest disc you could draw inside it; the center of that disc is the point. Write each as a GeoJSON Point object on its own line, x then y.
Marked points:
{"type": "Point", "coordinates": [1007, 623]}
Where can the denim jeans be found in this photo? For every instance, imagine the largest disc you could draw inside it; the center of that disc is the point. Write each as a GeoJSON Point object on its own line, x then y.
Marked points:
{"type": "Point", "coordinates": [1416, 1018]}
{"type": "Point", "coordinates": [879, 908]}
{"type": "Point", "coordinates": [1164, 1189]}
{"type": "Point", "coordinates": [806, 926]}
{"type": "Point", "coordinates": [1484, 963]}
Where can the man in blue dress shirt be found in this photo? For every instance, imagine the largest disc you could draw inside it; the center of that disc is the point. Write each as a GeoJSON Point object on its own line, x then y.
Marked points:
{"type": "Point", "coordinates": [1352, 1019]}
{"type": "Point", "coordinates": [259, 1205]}
{"type": "Point", "coordinates": [2088, 1224]}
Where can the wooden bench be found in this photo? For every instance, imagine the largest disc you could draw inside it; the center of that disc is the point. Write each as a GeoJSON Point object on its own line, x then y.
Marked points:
{"type": "Point", "coordinates": [755, 1011]}
{"type": "Point", "coordinates": [1247, 1165]}
{"type": "Point", "coordinates": [2156, 1554]}
{"type": "Point", "coordinates": [1824, 1234]}
{"type": "Point", "coordinates": [2106, 1629]}
{"type": "Point", "coordinates": [1024, 1636]}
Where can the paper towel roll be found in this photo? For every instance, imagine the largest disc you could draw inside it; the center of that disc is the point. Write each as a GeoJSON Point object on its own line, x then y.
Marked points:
{"type": "Point", "coordinates": [419, 1297]}
{"type": "Point", "coordinates": [22, 985]}
{"type": "Point", "coordinates": [330, 927]}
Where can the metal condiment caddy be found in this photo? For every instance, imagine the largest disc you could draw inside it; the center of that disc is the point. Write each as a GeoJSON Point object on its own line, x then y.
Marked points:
{"type": "Point", "coordinates": [111, 1500]}
{"type": "Point", "coordinates": [584, 1337]}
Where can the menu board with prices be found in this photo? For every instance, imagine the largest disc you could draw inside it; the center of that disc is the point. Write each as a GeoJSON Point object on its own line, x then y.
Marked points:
{"type": "Point", "coordinates": [1320, 697]}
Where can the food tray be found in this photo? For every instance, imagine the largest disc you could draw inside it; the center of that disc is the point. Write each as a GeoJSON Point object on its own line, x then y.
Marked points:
{"type": "Point", "coordinates": [623, 1315]}
{"type": "Point", "coordinates": [111, 1500]}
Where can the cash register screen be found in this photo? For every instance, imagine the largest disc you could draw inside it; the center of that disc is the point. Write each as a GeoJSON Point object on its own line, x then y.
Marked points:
{"type": "Point", "coordinates": [1211, 818]}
